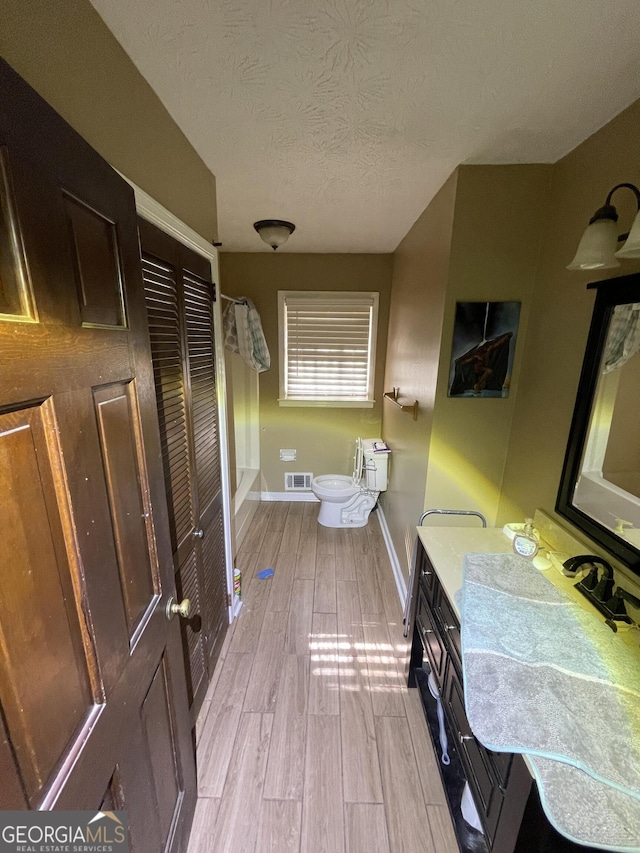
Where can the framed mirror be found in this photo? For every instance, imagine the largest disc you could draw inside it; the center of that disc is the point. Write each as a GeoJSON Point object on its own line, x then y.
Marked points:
{"type": "Point", "coordinates": [600, 484]}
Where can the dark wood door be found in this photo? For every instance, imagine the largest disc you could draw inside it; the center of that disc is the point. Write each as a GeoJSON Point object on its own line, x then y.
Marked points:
{"type": "Point", "coordinates": [92, 685]}
{"type": "Point", "coordinates": [179, 296]}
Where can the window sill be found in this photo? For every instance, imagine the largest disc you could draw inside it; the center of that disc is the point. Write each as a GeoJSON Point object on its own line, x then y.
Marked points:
{"type": "Point", "coordinates": [328, 404]}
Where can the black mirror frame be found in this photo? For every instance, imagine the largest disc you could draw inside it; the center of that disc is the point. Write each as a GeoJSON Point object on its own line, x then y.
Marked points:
{"type": "Point", "coordinates": [612, 292]}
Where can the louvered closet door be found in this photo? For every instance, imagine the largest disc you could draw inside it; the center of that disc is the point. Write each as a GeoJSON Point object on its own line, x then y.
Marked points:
{"type": "Point", "coordinates": [198, 315]}
{"type": "Point", "coordinates": [161, 291]}
{"type": "Point", "coordinates": [179, 296]}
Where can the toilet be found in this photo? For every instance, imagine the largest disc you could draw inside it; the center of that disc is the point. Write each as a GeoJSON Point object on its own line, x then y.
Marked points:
{"type": "Point", "coordinates": [347, 501]}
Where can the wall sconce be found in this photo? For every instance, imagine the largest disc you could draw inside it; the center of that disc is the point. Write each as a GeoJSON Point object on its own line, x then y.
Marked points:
{"type": "Point", "coordinates": [597, 248]}
{"type": "Point", "coordinates": [274, 232]}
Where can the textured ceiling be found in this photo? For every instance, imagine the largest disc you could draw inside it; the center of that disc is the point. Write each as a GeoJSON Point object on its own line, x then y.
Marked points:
{"type": "Point", "coordinates": [346, 116]}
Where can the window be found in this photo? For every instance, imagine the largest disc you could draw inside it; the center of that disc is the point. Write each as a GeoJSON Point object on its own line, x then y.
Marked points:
{"type": "Point", "coordinates": [327, 347]}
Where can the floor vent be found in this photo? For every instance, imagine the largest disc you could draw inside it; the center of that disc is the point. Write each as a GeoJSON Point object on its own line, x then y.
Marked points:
{"type": "Point", "coordinates": [297, 482]}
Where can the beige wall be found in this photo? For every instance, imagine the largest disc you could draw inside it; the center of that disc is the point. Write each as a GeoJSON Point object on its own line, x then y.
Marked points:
{"type": "Point", "coordinates": [420, 272]}
{"type": "Point", "coordinates": [323, 437]}
{"type": "Point", "coordinates": [622, 458]}
{"type": "Point", "coordinates": [468, 245]}
{"type": "Point", "coordinates": [561, 313]}
{"type": "Point", "coordinates": [497, 225]}
{"type": "Point", "coordinates": [505, 233]}
{"type": "Point", "coordinates": [64, 50]}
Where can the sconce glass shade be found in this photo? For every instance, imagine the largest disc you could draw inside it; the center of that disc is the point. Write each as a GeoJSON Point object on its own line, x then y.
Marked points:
{"type": "Point", "coordinates": [597, 248]}
{"type": "Point", "coordinates": [631, 248]}
{"type": "Point", "coordinates": [274, 232]}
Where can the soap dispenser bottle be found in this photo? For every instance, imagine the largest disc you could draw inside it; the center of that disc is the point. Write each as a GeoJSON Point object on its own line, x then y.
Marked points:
{"type": "Point", "coordinates": [525, 543]}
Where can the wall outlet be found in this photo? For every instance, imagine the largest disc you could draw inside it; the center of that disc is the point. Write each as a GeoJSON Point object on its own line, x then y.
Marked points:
{"type": "Point", "coordinates": [288, 454]}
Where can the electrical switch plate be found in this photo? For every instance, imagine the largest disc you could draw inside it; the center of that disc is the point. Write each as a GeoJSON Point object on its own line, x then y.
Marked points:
{"type": "Point", "coordinates": [287, 454]}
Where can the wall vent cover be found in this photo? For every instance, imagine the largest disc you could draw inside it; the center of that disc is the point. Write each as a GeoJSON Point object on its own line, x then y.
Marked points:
{"type": "Point", "coordinates": [297, 482]}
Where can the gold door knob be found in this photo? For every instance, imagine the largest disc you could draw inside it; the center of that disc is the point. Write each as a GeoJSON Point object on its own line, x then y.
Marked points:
{"type": "Point", "coordinates": [183, 609]}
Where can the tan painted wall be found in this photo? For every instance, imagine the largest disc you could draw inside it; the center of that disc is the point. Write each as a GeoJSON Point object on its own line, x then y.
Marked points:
{"type": "Point", "coordinates": [622, 459]}
{"type": "Point", "coordinates": [561, 313]}
{"type": "Point", "coordinates": [420, 272]}
{"type": "Point", "coordinates": [514, 230]}
{"type": "Point", "coordinates": [323, 437]}
{"type": "Point", "coordinates": [497, 227]}
{"type": "Point", "coordinates": [65, 51]}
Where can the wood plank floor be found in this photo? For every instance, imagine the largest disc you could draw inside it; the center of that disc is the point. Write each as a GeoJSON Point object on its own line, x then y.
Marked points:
{"type": "Point", "coordinates": [308, 740]}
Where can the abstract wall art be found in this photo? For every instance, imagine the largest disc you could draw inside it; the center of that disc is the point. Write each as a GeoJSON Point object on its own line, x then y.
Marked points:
{"type": "Point", "coordinates": [484, 341]}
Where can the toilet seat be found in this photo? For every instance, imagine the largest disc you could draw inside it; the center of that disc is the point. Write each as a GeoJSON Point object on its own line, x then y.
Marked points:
{"type": "Point", "coordinates": [347, 501]}
{"type": "Point", "coordinates": [358, 463]}
{"type": "Point", "coordinates": [336, 488]}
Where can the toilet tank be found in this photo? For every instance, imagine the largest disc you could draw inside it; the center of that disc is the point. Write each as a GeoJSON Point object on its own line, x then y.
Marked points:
{"type": "Point", "coordinates": [375, 465]}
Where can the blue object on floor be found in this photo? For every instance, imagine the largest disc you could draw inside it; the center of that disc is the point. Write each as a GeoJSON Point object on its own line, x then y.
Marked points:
{"type": "Point", "coordinates": [265, 573]}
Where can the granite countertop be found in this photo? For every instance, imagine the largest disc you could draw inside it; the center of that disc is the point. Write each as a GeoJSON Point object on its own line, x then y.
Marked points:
{"type": "Point", "coordinates": [560, 757]}
{"type": "Point", "coordinates": [447, 546]}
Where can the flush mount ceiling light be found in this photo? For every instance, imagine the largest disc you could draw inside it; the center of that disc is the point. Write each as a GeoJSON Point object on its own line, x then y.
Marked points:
{"type": "Point", "coordinates": [597, 248]}
{"type": "Point", "coordinates": [274, 232]}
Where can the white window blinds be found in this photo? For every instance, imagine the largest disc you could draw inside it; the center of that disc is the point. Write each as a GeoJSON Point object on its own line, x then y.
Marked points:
{"type": "Point", "coordinates": [327, 345]}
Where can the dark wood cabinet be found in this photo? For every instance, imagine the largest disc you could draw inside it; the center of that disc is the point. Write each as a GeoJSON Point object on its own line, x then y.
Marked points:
{"type": "Point", "coordinates": [503, 789]}
{"type": "Point", "coordinates": [480, 772]}
{"type": "Point", "coordinates": [499, 782]}
{"type": "Point", "coordinates": [431, 638]}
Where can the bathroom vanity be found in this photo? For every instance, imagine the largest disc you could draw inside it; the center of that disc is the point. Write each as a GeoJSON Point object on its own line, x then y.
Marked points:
{"type": "Point", "coordinates": [501, 784]}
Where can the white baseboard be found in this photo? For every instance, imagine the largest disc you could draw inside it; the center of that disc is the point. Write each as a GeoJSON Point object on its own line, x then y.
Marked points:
{"type": "Point", "coordinates": [244, 518]}
{"type": "Point", "coordinates": [308, 497]}
{"type": "Point", "coordinates": [398, 574]}
{"type": "Point", "coordinates": [237, 607]}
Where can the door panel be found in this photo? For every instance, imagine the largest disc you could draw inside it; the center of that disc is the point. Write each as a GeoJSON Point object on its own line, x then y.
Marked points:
{"type": "Point", "coordinates": [157, 714]}
{"type": "Point", "coordinates": [149, 784]}
{"type": "Point", "coordinates": [198, 310]}
{"type": "Point", "coordinates": [12, 794]}
{"type": "Point", "coordinates": [139, 798]}
{"type": "Point", "coordinates": [83, 502]}
{"type": "Point", "coordinates": [161, 290]}
{"type": "Point", "coordinates": [123, 467]}
{"type": "Point", "coordinates": [84, 535]}
{"type": "Point", "coordinates": [215, 585]}
{"type": "Point", "coordinates": [188, 586]}
{"type": "Point", "coordinates": [179, 298]}
{"type": "Point", "coordinates": [15, 290]}
{"type": "Point", "coordinates": [167, 346]}
{"type": "Point", "coordinates": [96, 265]}
{"type": "Point", "coordinates": [113, 799]}
{"type": "Point", "coordinates": [44, 680]}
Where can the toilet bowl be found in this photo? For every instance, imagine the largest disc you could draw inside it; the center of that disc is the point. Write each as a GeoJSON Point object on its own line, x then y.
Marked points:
{"type": "Point", "coordinates": [347, 501]}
